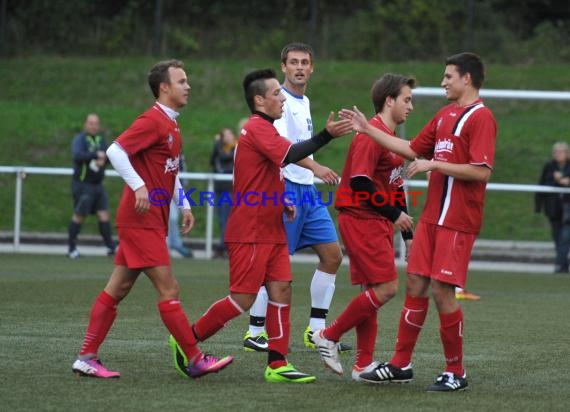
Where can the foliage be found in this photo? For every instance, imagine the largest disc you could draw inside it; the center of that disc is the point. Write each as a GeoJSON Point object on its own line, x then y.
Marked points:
{"type": "Point", "coordinates": [386, 30]}
{"type": "Point", "coordinates": [44, 101]}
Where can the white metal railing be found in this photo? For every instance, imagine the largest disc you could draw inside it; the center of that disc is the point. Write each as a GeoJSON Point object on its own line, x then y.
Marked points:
{"type": "Point", "coordinates": [21, 172]}
{"type": "Point", "coordinates": [501, 94]}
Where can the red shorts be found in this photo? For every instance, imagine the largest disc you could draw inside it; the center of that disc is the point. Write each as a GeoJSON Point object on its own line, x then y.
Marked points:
{"type": "Point", "coordinates": [254, 264]}
{"type": "Point", "coordinates": [142, 248]}
{"type": "Point", "coordinates": [440, 253]}
{"type": "Point", "coordinates": [369, 244]}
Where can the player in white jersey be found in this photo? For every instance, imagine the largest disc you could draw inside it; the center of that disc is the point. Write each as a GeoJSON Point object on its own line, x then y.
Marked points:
{"type": "Point", "coordinates": [312, 226]}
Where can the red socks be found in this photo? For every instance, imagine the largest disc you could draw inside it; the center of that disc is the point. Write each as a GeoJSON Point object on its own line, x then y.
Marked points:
{"type": "Point", "coordinates": [215, 318]}
{"type": "Point", "coordinates": [412, 320]}
{"type": "Point", "coordinates": [103, 313]}
{"type": "Point", "coordinates": [451, 332]}
{"type": "Point", "coordinates": [177, 324]}
{"type": "Point", "coordinates": [363, 306]}
{"type": "Point", "coordinates": [278, 327]}
{"type": "Point", "coordinates": [366, 341]}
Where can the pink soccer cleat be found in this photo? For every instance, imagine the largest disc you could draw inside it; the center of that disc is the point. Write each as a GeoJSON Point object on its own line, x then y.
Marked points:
{"type": "Point", "coordinates": [93, 368]}
{"type": "Point", "coordinates": [208, 364]}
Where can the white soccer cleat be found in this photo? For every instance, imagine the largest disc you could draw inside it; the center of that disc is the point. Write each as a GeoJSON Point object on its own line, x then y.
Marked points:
{"type": "Point", "coordinates": [356, 371]}
{"type": "Point", "coordinates": [328, 351]}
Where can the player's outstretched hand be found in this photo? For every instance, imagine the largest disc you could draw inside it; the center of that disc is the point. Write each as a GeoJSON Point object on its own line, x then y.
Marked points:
{"type": "Point", "coordinates": [339, 127]}
{"type": "Point", "coordinates": [419, 166]}
{"type": "Point", "coordinates": [356, 117]}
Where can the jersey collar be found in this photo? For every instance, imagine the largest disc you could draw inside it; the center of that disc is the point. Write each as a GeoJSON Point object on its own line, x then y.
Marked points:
{"type": "Point", "coordinates": [172, 114]}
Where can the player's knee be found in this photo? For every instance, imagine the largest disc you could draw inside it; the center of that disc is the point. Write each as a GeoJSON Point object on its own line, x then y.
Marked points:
{"type": "Point", "coordinates": [331, 261]}
{"type": "Point", "coordinates": [385, 291]}
{"type": "Point", "coordinates": [443, 295]}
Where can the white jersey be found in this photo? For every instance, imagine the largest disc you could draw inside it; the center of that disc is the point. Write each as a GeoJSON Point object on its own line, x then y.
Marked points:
{"type": "Point", "coordinates": [296, 125]}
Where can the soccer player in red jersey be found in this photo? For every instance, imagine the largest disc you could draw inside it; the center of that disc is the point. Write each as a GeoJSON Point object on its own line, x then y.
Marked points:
{"type": "Point", "coordinates": [366, 225]}
{"type": "Point", "coordinates": [458, 147]}
{"type": "Point", "coordinates": [255, 233]}
{"type": "Point", "coordinates": [147, 156]}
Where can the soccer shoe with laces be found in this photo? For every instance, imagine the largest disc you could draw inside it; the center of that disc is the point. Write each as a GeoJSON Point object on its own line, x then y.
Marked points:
{"type": "Point", "coordinates": [448, 382]}
{"type": "Point", "coordinates": [328, 351]}
{"type": "Point", "coordinates": [386, 372]}
{"type": "Point", "coordinates": [464, 295]}
{"type": "Point", "coordinates": [356, 371]}
{"type": "Point", "coordinates": [93, 368]}
{"type": "Point", "coordinates": [308, 340]}
{"type": "Point", "coordinates": [255, 344]}
{"type": "Point", "coordinates": [208, 363]}
{"type": "Point", "coordinates": [287, 374]}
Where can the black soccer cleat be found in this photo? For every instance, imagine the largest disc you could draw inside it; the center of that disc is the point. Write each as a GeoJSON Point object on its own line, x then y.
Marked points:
{"type": "Point", "coordinates": [448, 382]}
{"type": "Point", "coordinates": [386, 372]}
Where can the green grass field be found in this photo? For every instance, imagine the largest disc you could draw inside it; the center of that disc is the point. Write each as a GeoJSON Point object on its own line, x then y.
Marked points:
{"type": "Point", "coordinates": [43, 102]}
{"type": "Point", "coordinates": [516, 346]}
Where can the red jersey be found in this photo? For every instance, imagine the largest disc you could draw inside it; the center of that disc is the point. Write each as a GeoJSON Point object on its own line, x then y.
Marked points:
{"type": "Point", "coordinates": [457, 135]}
{"type": "Point", "coordinates": [257, 211]}
{"type": "Point", "coordinates": [367, 158]}
{"type": "Point", "coordinates": [153, 144]}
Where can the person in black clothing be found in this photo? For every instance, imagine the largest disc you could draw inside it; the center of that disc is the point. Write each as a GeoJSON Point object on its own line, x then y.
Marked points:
{"type": "Point", "coordinates": [556, 206]}
{"type": "Point", "coordinates": [89, 196]}
{"type": "Point", "coordinates": [222, 161]}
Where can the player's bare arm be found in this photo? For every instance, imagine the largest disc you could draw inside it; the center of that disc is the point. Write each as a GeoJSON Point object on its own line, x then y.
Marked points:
{"type": "Point", "coordinates": [394, 144]}
{"type": "Point", "coordinates": [465, 171]}
{"type": "Point", "coordinates": [327, 175]}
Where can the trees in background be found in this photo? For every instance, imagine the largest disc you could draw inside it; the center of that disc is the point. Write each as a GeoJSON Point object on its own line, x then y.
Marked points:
{"type": "Point", "coordinates": [390, 30]}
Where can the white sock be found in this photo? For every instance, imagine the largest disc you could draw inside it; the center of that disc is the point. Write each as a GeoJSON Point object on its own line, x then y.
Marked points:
{"type": "Point", "coordinates": [322, 291]}
{"type": "Point", "coordinates": [259, 309]}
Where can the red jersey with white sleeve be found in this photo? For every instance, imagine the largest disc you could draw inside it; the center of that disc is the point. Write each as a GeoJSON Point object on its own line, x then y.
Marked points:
{"type": "Point", "coordinates": [153, 145]}
{"type": "Point", "coordinates": [367, 158]}
{"type": "Point", "coordinates": [460, 135]}
{"type": "Point", "coordinates": [257, 211]}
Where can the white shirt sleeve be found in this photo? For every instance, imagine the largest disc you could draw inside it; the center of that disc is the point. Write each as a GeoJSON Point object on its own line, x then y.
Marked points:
{"type": "Point", "coordinates": [177, 190]}
{"type": "Point", "coordinates": [121, 163]}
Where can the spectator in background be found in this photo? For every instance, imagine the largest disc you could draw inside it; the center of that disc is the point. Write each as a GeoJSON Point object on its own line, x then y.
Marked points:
{"type": "Point", "coordinates": [89, 196]}
{"type": "Point", "coordinates": [222, 161]}
{"type": "Point", "coordinates": [556, 206]}
{"type": "Point", "coordinates": [174, 240]}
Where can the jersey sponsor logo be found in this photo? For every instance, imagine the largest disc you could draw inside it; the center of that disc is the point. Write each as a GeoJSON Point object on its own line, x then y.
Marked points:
{"type": "Point", "coordinates": [445, 145]}
{"type": "Point", "coordinates": [171, 165]}
{"type": "Point", "coordinates": [395, 174]}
